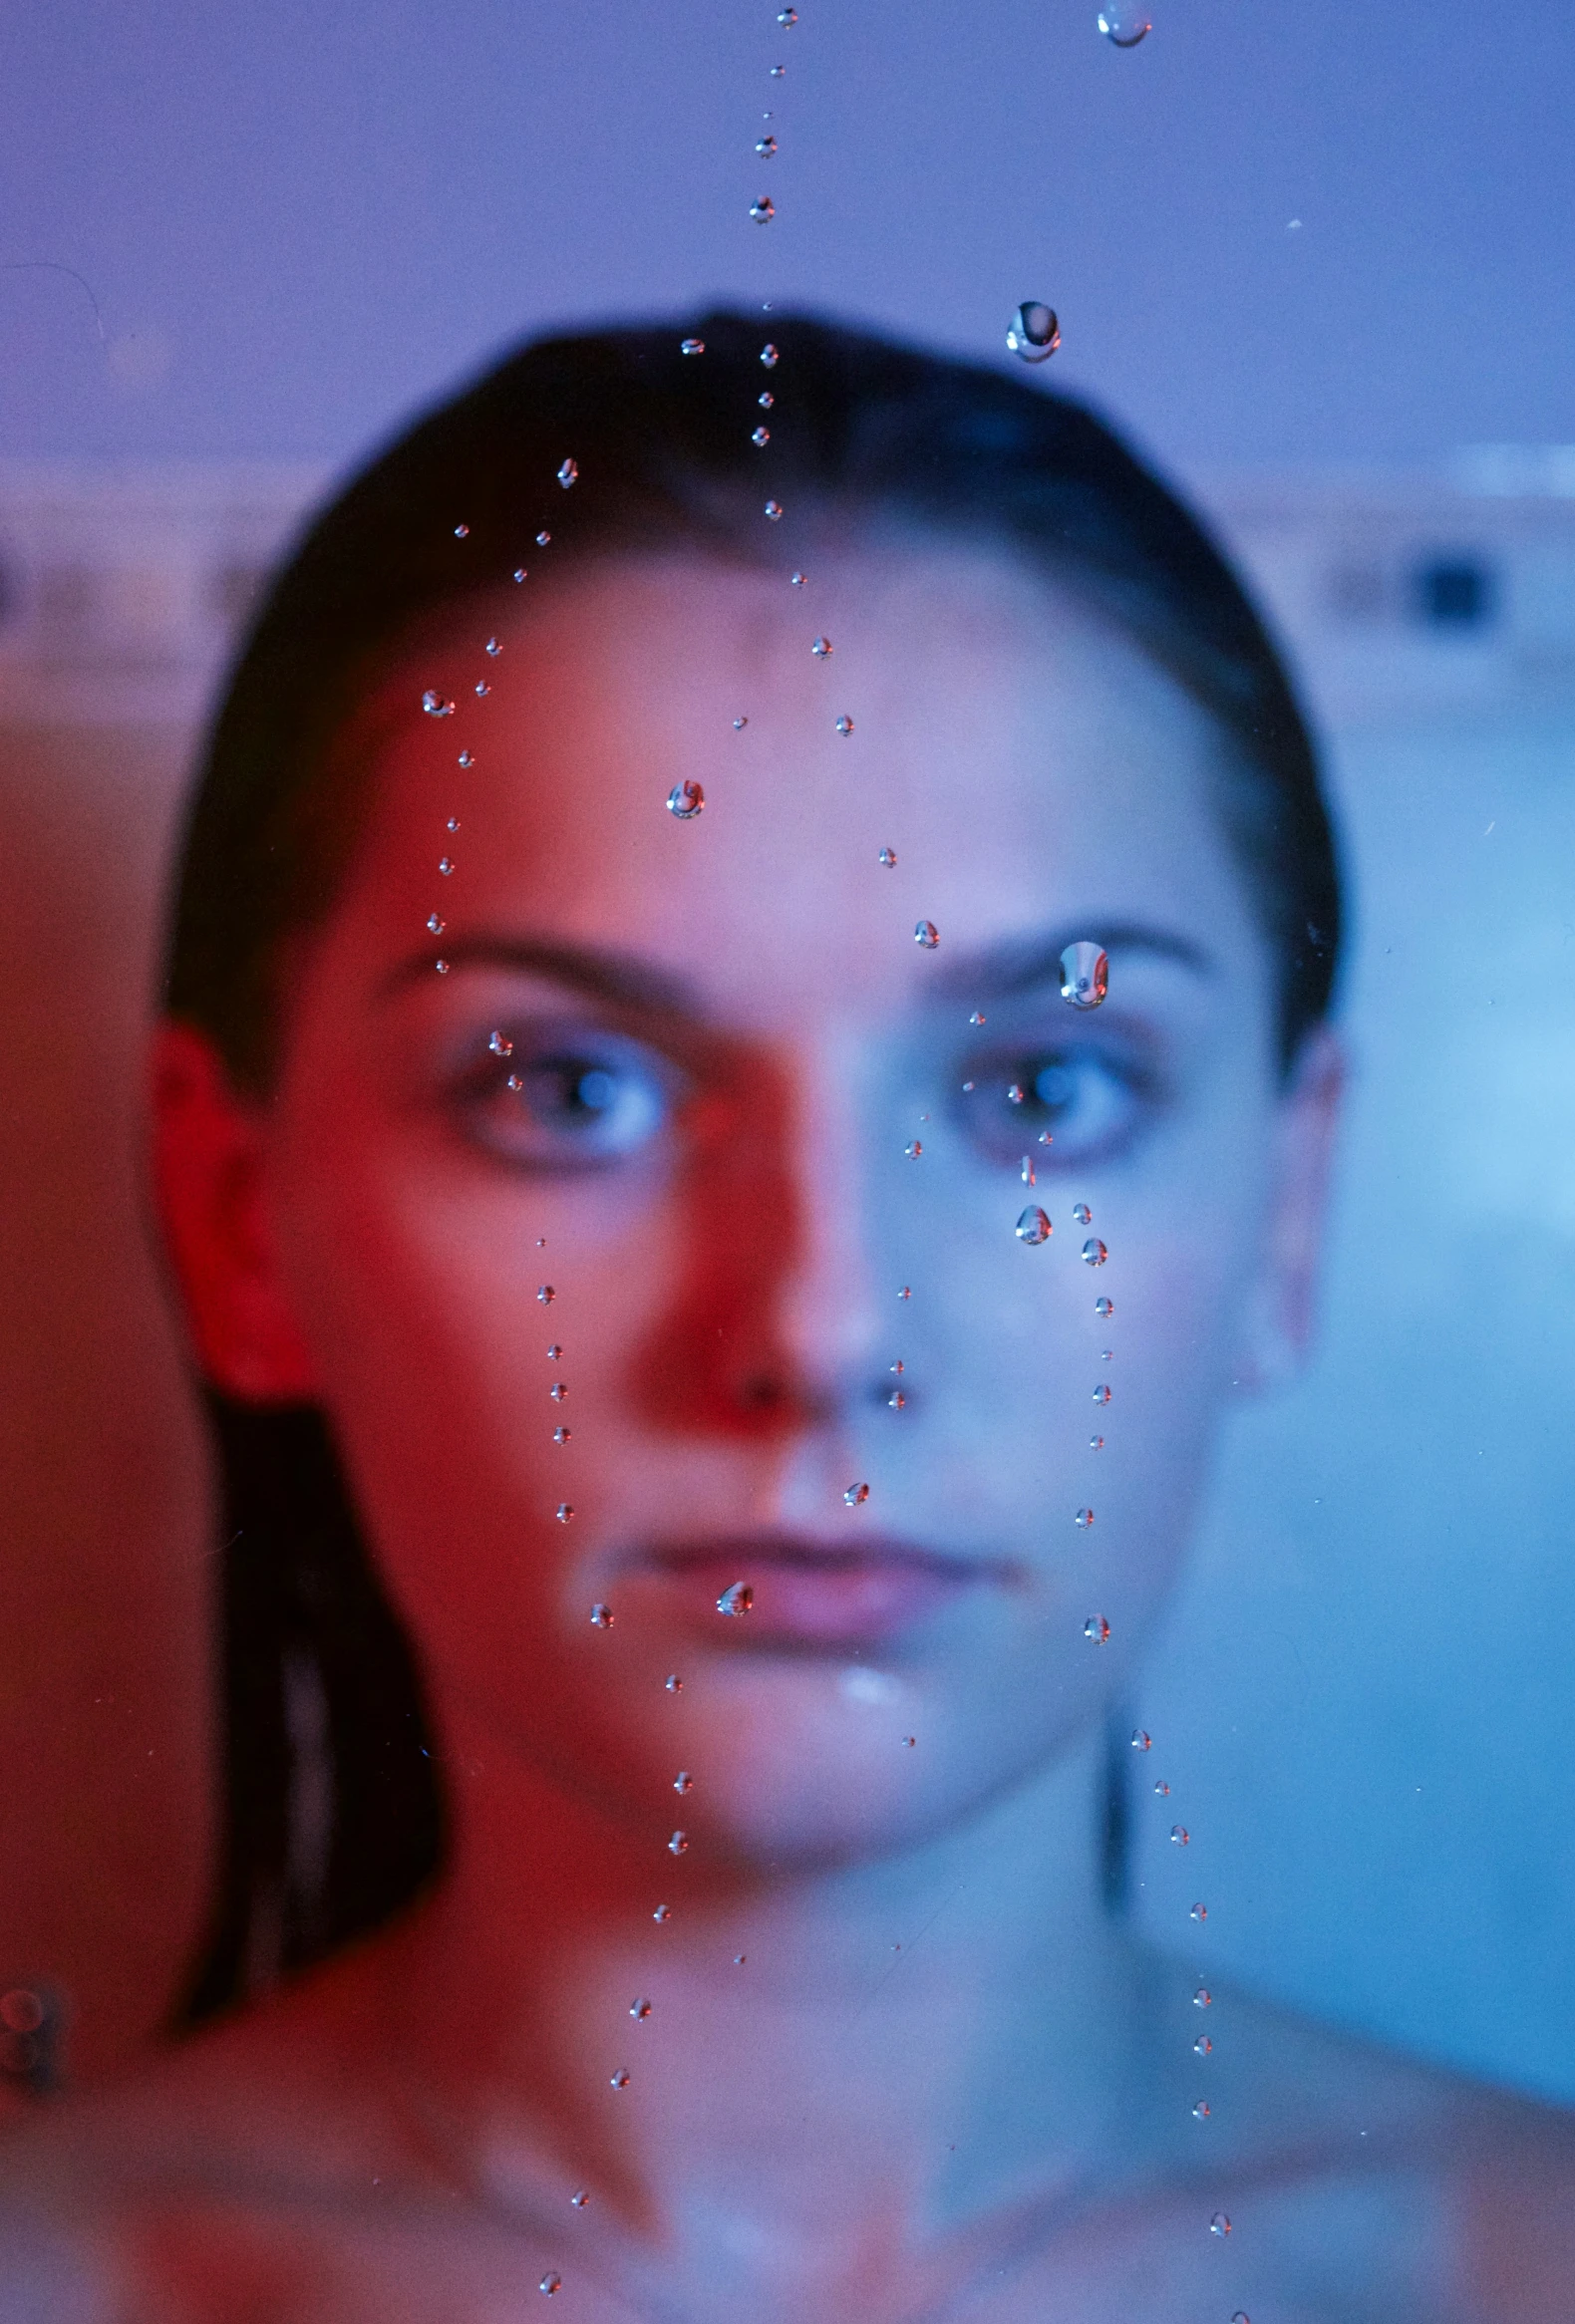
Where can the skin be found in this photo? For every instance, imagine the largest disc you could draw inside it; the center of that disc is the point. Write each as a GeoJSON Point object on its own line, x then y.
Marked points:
{"type": "Point", "coordinates": [941, 2080]}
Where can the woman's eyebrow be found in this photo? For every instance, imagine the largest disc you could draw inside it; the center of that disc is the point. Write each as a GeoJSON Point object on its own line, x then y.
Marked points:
{"type": "Point", "coordinates": [1022, 963]}
{"type": "Point", "coordinates": [618, 978]}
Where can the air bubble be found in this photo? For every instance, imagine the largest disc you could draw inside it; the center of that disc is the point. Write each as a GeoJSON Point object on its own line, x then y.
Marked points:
{"type": "Point", "coordinates": [1084, 974]}
{"type": "Point", "coordinates": [821, 649]}
{"type": "Point", "coordinates": [760, 437]}
{"type": "Point", "coordinates": [679, 1843]}
{"type": "Point", "coordinates": [764, 210]}
{"type": "Point", "coordinates": [1033, 332]}
{"type": "Point", "coordinates": [1125, 26]}
{"type": "Point", "coordinates": [1104, 1309]}
{"type": "Point", "coordinates": [737, 1599]}
{"type": "Point", "coordinates": [1097, 1630]}
{"type": "Point", "coordinates": [856, 1495]}
{"type": "Point", "coordinates": [1094, 1252]}
{"type": "Point", "coordinates": [686, 800]}
{"type": "Point", "coordinates": [1084, 1518]}
{"type": "Point", "coordinates": [570, 474]}
{"type": "Point", "coordinates": [926, 935]}
{"type": "Point", "coordinates": [436, 705]}
{"type": "Point", "coordinates": [692, 347]}
{"type": "Point", "coordinates": [1033, 1227]}
{"type": "Point", "coordinates": [844, 725]}
{"type": "Point", "coordinates": [888, 856]}
{"type": "Point", "coordinates": [1081, 1213]}
{"type": "Point", "coordinates": [601, 1617]}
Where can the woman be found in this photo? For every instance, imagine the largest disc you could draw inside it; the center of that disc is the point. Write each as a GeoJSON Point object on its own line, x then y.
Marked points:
{"type": "Point", "coordinates": [645, 1145]}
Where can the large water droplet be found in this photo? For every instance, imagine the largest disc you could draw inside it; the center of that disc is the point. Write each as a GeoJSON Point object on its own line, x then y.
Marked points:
{"type": "Point", "coordinates": [1104, 1309]}
{"type": "Point", "coordinates": [821, 649]}
{"type": "Point", "coordinates": [1123, 24]}
{"type": "Point", "coordinates": [1033, 332]}
{"type": "Point", "coordinates": [737, 1599]}
{"type": "Point", "coordinates": [436, 705]}
{"type": "Point", "coordinates": [764, 210]}
{"type": "Point", "coordinates": [1033, 1226]}
{"type": "Point", "coordinates": [1094, 1252]}
{"type": "Point", "coordinates": [926, 935]}
{"type": "Point", "coordinates": [570, 474]}
{"type": "Point", "coordinates": [1084, 974]}
{"type": "Point", "coordinates": [1102, 1394]}
{"type": "Point", "coordinates": [1097, 1630]}
{"type": "Point", "coordinates": [686, 800]}
{"type": "Point", "coordinates": [856, 1495]}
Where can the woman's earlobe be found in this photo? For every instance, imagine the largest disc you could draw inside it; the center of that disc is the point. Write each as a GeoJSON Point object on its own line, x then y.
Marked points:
{"type": "Point", "coordinates": [209, 1175]}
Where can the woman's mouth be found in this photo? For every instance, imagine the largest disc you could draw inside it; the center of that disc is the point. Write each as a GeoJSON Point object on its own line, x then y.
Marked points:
{"type": "Point", "coordinates": [788, 1589]}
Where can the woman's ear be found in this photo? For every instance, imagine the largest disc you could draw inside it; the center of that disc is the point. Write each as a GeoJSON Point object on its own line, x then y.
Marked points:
{"type": "Point", "coordinates": [1283, 1314]}
{"type": "Point", "coordinates": [209, 1146]}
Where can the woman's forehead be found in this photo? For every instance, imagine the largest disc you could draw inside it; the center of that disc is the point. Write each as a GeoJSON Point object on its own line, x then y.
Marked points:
{"type": "Point", "coordinates": [1020, 760]}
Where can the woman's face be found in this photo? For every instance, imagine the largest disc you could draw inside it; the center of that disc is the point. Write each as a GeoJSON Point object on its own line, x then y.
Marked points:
{"type": "Point", "coordinates": [770, 1153]}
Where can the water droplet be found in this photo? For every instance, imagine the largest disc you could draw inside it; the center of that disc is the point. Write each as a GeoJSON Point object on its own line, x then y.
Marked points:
{"type": "Point", "coordinates": [888, 856]}
{"type": "Point", "coordinates": [737, 1599]}
{"type": "Point", "coordinates": [1201, 2110]}
{"type": "Point", "coordinates": [857, 1494]}
{"type": "Point", "coordinates": [482, 687]}
{"type": "Point", "coordinates": [765, 400]}
{"type": "Point", "coordinates": [1028, 1174]}
{"type": "Point", "coordinates": [1203, 2047]}
{"type": "Point", "coordinates": [542, 539]}
{"type": "Point", "coordinates": [1202, 1998]}
{"type": "Point", "coordinates": [553, 1353]}
{"type": "Point", "coordinates": [1096, 1444]}
{"type": "Point", "coordinates": [686, 800]}
{"type": "Point", "coordinates": [436, 705]}
{"type": "Point", "coordinates": [570, 474]}
{"type": "Point", "coordinates": [520, 573]}
{"type": "Point", "coordinates": [579, 2199]}
{"type": "Point", "coordinates": [552, 2281]}
{"type": "Point", "coordinates": [908, 1742]}
{"type": "Point", "coordinates": [739, 725]}
{"type": "Point", "coordinates": [777, 73]}
{"type": "Point", "coordinates": [1141, 1739]}
{"type": "Point", "coordinates": [546, 1294]}
{"type": "Point", "coordinates": [558, 1391]}
{"type": "Point", "coordinates": [435, 925]}
{"type": "Point", "coordinates": [673, 1683]}
{"type": "Point", "coordinates": [770, 356]}
{"type": "Point", "coordinates": [900, 1365]}
{"type": "Point", "coordinates": [1199, 1913]}
{"type": "Point", "coordinates": [764, 210]}
{"type": "Point", "coordinates": [766, 146]}
{"type": "Point", "coordinates": [787, 16]}
{"type": "Point", "coordinates": [914, 1150]}
{"type": "Point", "coordinates": [452, 823]}
{"type": "Point", "coordinates": [466, 758]}
{"type": "Point", "coordinates": [561, 1435]}
{"type": "Point", "coordinates": [1084, 1518]}
{"type": "Point", "coordinates": [442, 967]}
{"type": "Point", "coordinates": [1097, 1629]}
{"type": "Point", "coordinates": [1033, 332]}
{"type": "Point", "coordinates": [462, 532]}
{"type": "Point", "coordinates": [445, 866]}
{"type": "Point", "coordinates": [601, 1617]}
{"type": "Point", "coordinates": [640, 2010]}
{"type": "Point", "coordinates": [759, 436]}
{"type": "Point", "coordinates": [1102, 1394]}
{"type": "Point", "coordinates": [682, 1780]}
{"type": "Point", "coordinates": [500, 1045]}
{"type": "Point", "coordinates": [969, 1088]}
{"type": "Point", "coordinates": [799, 580]}
{"type": "Point", "coordinates": [565, 1511]}
{"type": "Point", "coordinates": [620, 2080]}
{"type": "Point", "coordinates": [905, 1292]}
{"type": "Point", "coordinates": [773, 509]}
{"type": "Point", "coordinates": [1033, 1226]}
{"type": "Point", "coordinates": [493, 648]}
{"type": "Point", "coordinates": [1219, 2225]}
{"type": "Point", "coordinates": [821, 649]}
{"type": "Point", "coordinates": [663, 1912]}
{"type": "Point", "coordinates": [844, 725]}
{"type": "Point", "coordinates": [1104, 1309]}
{"type": "Point", "coordinates": [692, 347]}
{"type": "Point", "coordinates": [1241, 2317]}
{"type": "Point", "coordinates": [1094, 1252]}
{"type": "Point", "coordinates": [1162, 1790]}
{"type": "Point", "coordinates": [1016, 1093]}
{"type": "Point", "coordinates": [1181, 1837]}
{"type": "Point", "coordinates": [1081, 1213]}
{"type": "Point", "coordinates": [1123, 25]}
{"type": "Point", "coordinates": [1085, 975]}
{"type": "Point", "coordinates": [739, 1960]}
{"type": "Point", "coordinates": [679, 1843]}
{"type": "Point", "coordinates": [897, 1400]}
{"type": "Point", "coordinates": [926, 935]}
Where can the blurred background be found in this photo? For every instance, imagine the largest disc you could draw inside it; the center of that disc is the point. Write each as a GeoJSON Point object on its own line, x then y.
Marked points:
{"type": "Point", "coordinates": [1320, 260]}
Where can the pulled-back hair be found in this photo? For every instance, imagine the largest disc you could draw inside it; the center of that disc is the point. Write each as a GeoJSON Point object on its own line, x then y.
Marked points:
{"type": "Point", "coordinates": [865, 435]}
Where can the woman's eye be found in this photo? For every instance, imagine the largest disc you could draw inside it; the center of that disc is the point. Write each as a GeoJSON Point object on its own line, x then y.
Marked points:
{"type": "Point", "coordinates": [1081, 1103]}
{"type": "Point", "coordinates": [553, 1106]}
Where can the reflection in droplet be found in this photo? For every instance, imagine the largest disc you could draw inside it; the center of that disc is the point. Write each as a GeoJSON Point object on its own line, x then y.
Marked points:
{"type": "Point", "coordinates": [579, 2199]}
{"type": "Point", "coordinates": [466, 758]}
{"type": "Point", "coordinates": [821, 649]}
{"type": "Point", "coordinates": [570, 474]}
{"type": "Point", "coordinates": [1123, 25]}
{"type": "Point", "coordinates": [856, 1495]}
{"type": "Point", "coordinates": [1084, 1518]}
{"type": "Point", "coordinates": [692, 347]}
{"type": "Point", "coordinates": [787, 16]}
{"type": "Point", "coordinates": [926, 935]}
{"type": "Point", "coordinates": [686, 800]}
{"type": "Point", "coordinates": [1094, 1252]}
{"type": "Point", "coordinates": [1097, 1629]}
{"type": "Point", "coordinates": [1081, 1213]}
{"type": "Point", "coordinates": [558, 1391]}
{"type": "Point", "coordinates": [542, 539]}
{"type": "Point", "coordinates": [553, 1353]}
{"type": "Point", "coordinates": [493, 648]}
{"type": "Point", "coordinates": [601, 1617]}
{"type": "Point", "coordinates": [436, 705]}
{"type": "Point", "coordinates": [1033, 1226]}
{"type": "Point", "coordinates": [737, 1599]}
{"type": "Point", "coordinates": [897, 1400]}
{"type": "Point", "coordinates": [764, 210]}
{"type": "Point", "coordinates": [1033, 332]}
{"type": "Point", "coordinates": [1085, 975]}
{"type": "Point", "coordinates": [1104, 1309]}
{"type": "Point", "coordinates": [888, 856]}
{"type": "Point", "coordinates": [1028, 1174]}
{"type": "Point", "coordinates": [462, 532]}
{"type": "Point", "coordinates": [905, 1292]}
{"type": "Point", "coordinates": [1096, 1444]}
{"type": "Point", "coordinates": [445, 866]}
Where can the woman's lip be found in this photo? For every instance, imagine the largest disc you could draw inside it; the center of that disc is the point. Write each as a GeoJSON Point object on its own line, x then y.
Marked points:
{"type": "Point", "coordinates": [813, 1592]}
